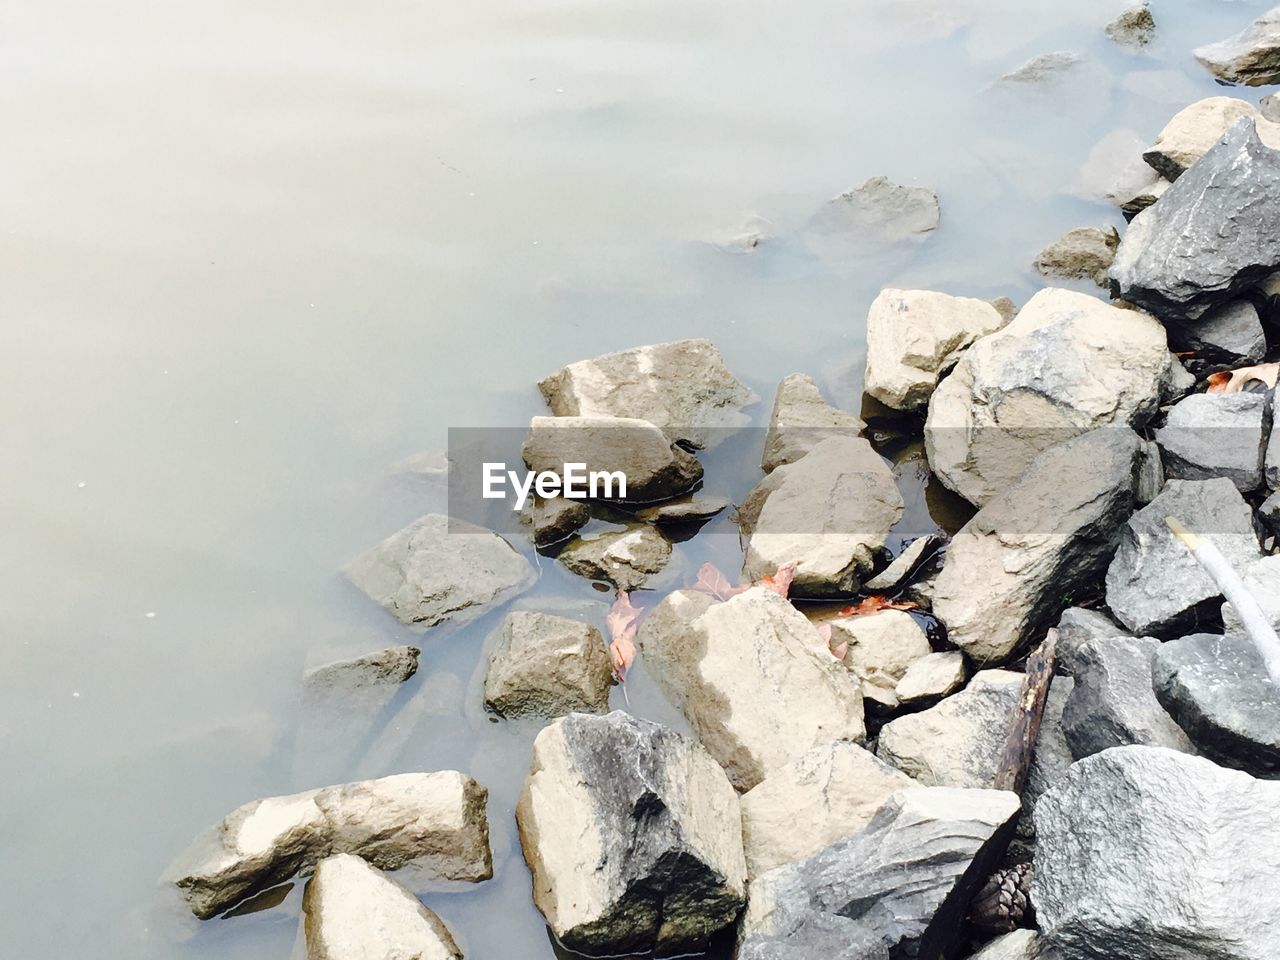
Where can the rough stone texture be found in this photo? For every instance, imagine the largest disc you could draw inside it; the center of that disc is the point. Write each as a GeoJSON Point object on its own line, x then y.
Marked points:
{"type": "Point", "coordinates": [881, 648]}
{"type": "Point", "coordinates": [1076, 627]}
{"type": "Point", "coordinates": [905, 564]}
{"type": "Point", "coordinates": [433, 825]}
{"type": "Point", "coordinates": [633, 836]}
{"type": "Point", "coordinates": [1211, 435]}
{"type": "Point", "coordinates": [1068, 363]}
{"type": "Point", "coordinates": [352, 911]}
{"type": "Point", "coordinates": [1269, 107]}
{"type": "Point", "coordinates": [439, 569]}
{"type": "Point", "coordinates": [1231, 333]}
{"type": "Point", "coordinates": [1011, 569]}
{"type": "Point", "coordinates": [1262, 579]}
{"type": "Point", "coordinates": [381, 670]}
{"type": "Point", "coordinates": [626, 558]}
{"type": "Point", "coordinates": [1018, 945]}
{"type": "Point", "coordinates": [916, 336]}
{"type": "Point", "coordinates": [547, 666]}
{"type": "Point", "coordinates": [1251, 57]}
{"type": "Point", "coordinates": [735, 669]}
{"type": "Point", "coordinates": [828, 512]}
{"type": "Point", "coordinates": [1148, 854]}
{"type": "Point", "coordinates": [932, 676]}
{"type": "Point", "coordinates": [1155, 586]}
{"type": "Point", "coordinates": [555, 519]}
{"type": "Point", "coordinates": [879, 211]}
{"type": "Point", "coordinates": [1271, 461]}
{"type": "Point", "coordinates": [824, 794]}
{"type": "Point", "coordinates": [801, 420]}
{"type": "Point", "coordinates": [1194, 129]}
{"type": "Point", "coordinates": [1134, 27]}
{"type": "Point", "coordinates": [1084, 253]}
{"type": "Point", "coordinates": [1218, 690]}
{"type": "Point", "coordinates": [655, 468]}
{"type": "Point", "coordinates": [1046, 67]}
{"type": "Point", "coordinates": [683, 387]}
{"type": "Point", "coordinates": [694, 510]}
{"type": "Point", "coordinates": [1214, 233]}
{"type": "Point", "coordinates": [1269, 509]}
{"type": "Point", "coordinates": [897, 888]}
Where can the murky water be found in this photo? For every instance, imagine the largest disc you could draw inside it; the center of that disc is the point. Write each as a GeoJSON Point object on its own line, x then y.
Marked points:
{"type": "Point", "coordinates": [256, 254]}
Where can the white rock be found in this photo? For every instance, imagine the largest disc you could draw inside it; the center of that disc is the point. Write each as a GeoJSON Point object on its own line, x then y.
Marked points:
{"type": "Point", "coordinates": [882, 646]}
{"type": "Point", "coordinates": [936, 675]}
{"type": "Point", "coordinates": [1193, 130]}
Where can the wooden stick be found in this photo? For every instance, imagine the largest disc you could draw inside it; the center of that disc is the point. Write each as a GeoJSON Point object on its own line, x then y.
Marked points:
{"type": "Point", "coordinates": [1020, 745]}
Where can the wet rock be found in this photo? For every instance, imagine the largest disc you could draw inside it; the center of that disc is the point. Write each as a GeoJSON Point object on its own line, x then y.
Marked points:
{"type": "Point", "coordinates": [1231, 333]}
{"type": "Point", "coordinates": [1010, 570]}
{"type": "Point", "coordinates": [1211, 435]}
{"type": "Point", "coordinates": [683, 387]}
{"type": "Point", "coordinates": [1067, 364]}
{"type": "Point", "coordinates": [1149, 854]}
{"type": "Point", "coordinates": [694, 510]}
{"type": "Point", "coordinates": [626, 558]}
{"type": "Point", "coordinates": [931, 677]}
{"type": "Point", "coordinates": [439, 569]}
{"type": "Point", "coordinates": [734, 669]}
{"type": "Point", "coordinates": [881, 648]}
{"type": "Point", "coordinates": [1076, 627]}
{"type": "Point", "coordinates": [1154, 585]}
{"type": "Point", "coordinates": [554, 519]}
{"type": "Point", "coordinates": [1251, 57]}
{"type": "Point", "coordinates": [1218, 690]}
{"type": "Point", "coordinates": [1136, 186]}
{"type": "Point", "coordinates": [880, 211]}
{"type": "Point", "coordinates": [916, 336]}
{"type": "Point", "coordinates": [352, 911]}
{"type": "Point", "coordinates": [383, 670]}
{"type": "Point", "coordinates": [829, 512]}
{"type": "Point", "coordinates": [824, 794]}
{"type": "Point", "coordinates": [899, 887]}
{"type": "Point", "coordinates": [1213, 234]}
{"type": "Point", "coordinates": [432, 825]}
{"type": "Point", "coordinates": [1134, 27]}
{"type": "Point", "coordinates": [908, 562]}
{"type": "Point", "coordinates": [547, 666]}
{"type": "Point", "coordinates": [1084, 253]}
{"type": "Point", "coordinates": [1046, 67]}
{"type": "Point", "coordinates": [633, 837]}
{"type": "Point", "coordinates": [801, 420]}
{"type": "Point", "coordinates": [1194, 129]}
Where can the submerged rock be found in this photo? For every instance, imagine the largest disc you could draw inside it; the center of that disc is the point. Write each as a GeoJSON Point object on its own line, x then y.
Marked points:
{"type": "Point", "coordinates": [878, 212]}
{"type": "Point", "coordinates": [1134, 27]}
{"type": "Point", "coordinates": [931, 677]}
{"type": "Point", "coordinates": [381, 670]}
{"type": "Point", "coordinates": [801, 420]}
{"type": "Point", "coordinates": [881, 647]}
{"type": "Point", "coordinates": [1046, 66]}
{"type": "Point", "coordinates": [1211, 435]}
{"type": "Point", "coordinates": [1250, 57]}
{"type": "Point", "coordinates": [547, 666]}
{"type": "Point", "coordinates": [554, 519]}
{"type": "Point", "coordinates": [626, 558]}
{"type": "Point", "coordinates": [1084, 253]}
{"type": "Point", "coordinates": [1195, 129]}
{"type": "Point", "coordinates": [1231, 333]}
{"type": "Point", "coordinates": [632, 835]}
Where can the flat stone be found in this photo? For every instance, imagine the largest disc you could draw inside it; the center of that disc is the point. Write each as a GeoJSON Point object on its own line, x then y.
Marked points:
{"type": "Point", "coordinates": [905, 564]}
{"type": "Point", "coordinates": [1211, 435]}
{"type": "Point", "coordinates": [801, 420]}
{"type": "Point", "coordinates": [1231, 333]}
{"type": "Point", "coordinates": [881, 646]}
{"type": "Point", "coordinates": [1194, 129]}
{"type": "Point", "coordinates": [932, 677]}
{"type": "Point", "coordinates": [1084, 253]}
{"type": "Point", "coordinates": [554, 519]}
{"type": "Point", "coordinates": [626, 558]}
{"type": "Point", "coordinates": [546, 666]}
{"type": "Point", "coordinates": [1251, 57]}
{"type": "Point", "coordinates": [878, 212]}
{"type": "Point", "coordinates": [693, 510]}
{"type": "Point", "coordinates": [382, 670]}
{"type": "Point", "coordinates": [1077, 627]}
{"type": "Point", "coordinates": [1134, 27]}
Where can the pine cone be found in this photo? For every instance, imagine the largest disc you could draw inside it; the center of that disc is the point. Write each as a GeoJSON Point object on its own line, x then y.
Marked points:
{"type": "Point", "coordinates": [1002, 903]}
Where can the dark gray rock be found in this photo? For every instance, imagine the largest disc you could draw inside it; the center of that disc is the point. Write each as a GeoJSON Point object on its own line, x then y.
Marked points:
{"type": "Point", "coordinates": [1231, 333]}
{"type": "Point", "coordinates": [1076, 627]}
{"type": "Point", "coordinates": [1134, 27]}
{"type": "Point", "coordinates": [1218, 690]}
{"type": "Point", "coordinates": [1211, 435]}
{"type": "Point", "coordinates": [1084, 253]}
{"type": "Point", "coordinates": [1251, 57]}
{"type": "Point", "coordinates": [1148, 854]}
{"type": "Point", "coordinates": [1271, 462]}
{"type": "Point", "coordinates": [554, 519]}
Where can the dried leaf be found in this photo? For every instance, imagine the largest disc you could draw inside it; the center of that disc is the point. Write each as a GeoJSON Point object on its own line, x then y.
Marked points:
{"type": "Point", "coordinates": [780, 581]}
{"type": "Point", "coordinates": [874, 604]}
{"type": "Point", "coordinates": [712, 581]}
{"type": "Point", "coordinates": [840, 649]}
{"type": "Point", "coordinates": [1234, 381]}
{"type": "Point", "coordinates": [623, 621]}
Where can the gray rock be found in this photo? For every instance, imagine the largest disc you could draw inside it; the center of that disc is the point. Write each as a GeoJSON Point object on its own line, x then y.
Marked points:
{"type": "Point", "coordinates": [881, 647]}
{"type": "Point", "coordinates": [693, 510]}
{"type": "Point", "coordinates": [1262, 579]}
{"type": "Point", "coordinates": [1231, 333]}
{"type": "Point", "coordinates": [905, 564]}
{"type": "Point", "coordinates": [1194, 129]}
{"type": "Point", "coordinates": [547, 666]}
{"type": "Point", "coordinates": [1269, 510]}
{"type": "Point", "coordinates": [432, 825]}
{"type": "Point", "coordinates": [1149, 854]}
{"type": "Point", "coordinates": [1251, 57]}
{"type": "Point", "coordinates": [801, 420]}
{"type": "Point", "coordinates": [382, 670]}
{"type": "Point", "coordinates": [554, 519]}
{"type": "Point", "coordinates": [439, 569]}
{"type": "Point", "coordinates": [1218, 690]}
{"type": "Point", "coordinates": [1269, 107]}
{"type": "Point", "coordinates": [878, 212]}
{"type": "Point", "coordinates": [626, 558]}
{"type": "Point", "coordinates": [1084, 253]}
{"type": "Point", "coordinates": [1150, 474]}
{"type": "Point", "coordinates": [1077, 627]}
{"type": "Point", "coordinates": [1271, 461]}
{"type": "Point", "coordinates": [1155, 586]}
{"type": "Point", "coordinates": [1018, 945]}
{"type": "Point", "coordinates": [1134, 27]}
{"type": "Point", "coordinates": [682, 387]}
{"type": "Point", "coordinates": [1211, 435]}
{"type": "Point", "coordinates": [1046, 67]}
{"type": "Point", "coordinates": [632, 835]}
{"type": "Point", "coordinates": [931, 677]}
{"type": "Point", "coordinates": [897, 888]}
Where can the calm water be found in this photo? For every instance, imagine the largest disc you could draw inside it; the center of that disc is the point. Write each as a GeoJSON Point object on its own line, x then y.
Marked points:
{"type": "Point", "coordinates": [257, 253]}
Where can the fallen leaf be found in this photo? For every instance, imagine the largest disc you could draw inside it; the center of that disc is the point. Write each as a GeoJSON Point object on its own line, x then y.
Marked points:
{"type": "Point", "coordinates": [780, 580]}
{"type": "Point", "coordinates": [1234, 381]}
{"type": "Point", "coordinates": [712, 581]}
{"type": "Point", "coordinates": [623, 621]}
{"type": "Point", "coordinates": [874, 604]}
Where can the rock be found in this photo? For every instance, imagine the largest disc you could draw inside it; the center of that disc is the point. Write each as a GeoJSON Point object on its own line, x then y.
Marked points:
{"type": "Point", "coordinates": [547, 666]}
{"type": "Point", "coordinates": [1149, 854]}
{"type": "Point", "coordinates": [1112, 157]}
{"type": "Point", "coordinates": [1214, 233]}
{"type": "Point", "coordinates": [1269, 107]}
{"type": "Point", "coordinates": [909, 561]}
{"type": "Point", "coordinates": [1231, 333]}
{"type": "Point", "coordinates": [693, 510]}
{"type": "Point", "coordinates": [1046, 67]}
{"type": "Point", "coordinates": [430, 824]}
{"type": "Point", "coordinates": [1218, 690]}
{"type": "Point", "coordinates": [1150, 474]}
{"type": "Point", "coordinates": [1251, 57]}
{"type": "Point", "coordinates": [824, 794]}
{"type": "Point", "coordinates": [1010, 570]}
{"type": "Point", "coordinates": [1005, 307]}
{"type": "Point", "coordinates": [626, 558]}
{"type": "Point", "coordinates": [1194, 129]}
{"type": "Point", "coordinates": [801, 420]}
{"type": "Point", "coordinates": [932, 677]}
{"type": "Point", "coordinates": [1018, 945]}
{"type": "Point", "coordinates": [1067, 364]}
{"type": "Point", "coordinates": [1269, 512]}
{"type": "Point", "coordinates": [734, 668]}
{"type": "Point", "coordinates": [1271, 459]}
{"type": "Point", "coordinates": [1154, 585]}
{"type": "Point", "coordinates": [828, 512]}
{"type": "Point", "coordinates": [881, 648]}
{"type": "Point", "coordinates": [682, 387]}
{"type": "Point", "coordinates": [382, 670]}
{"type": "Point", "coordinates": [554, 519]}
{"type": "Point", "coordinates": [439, 569]}
{"type": "Point", "coordinates": [916, 336]}
{"type": "Point", "coordinates": [1084, 253]}
{"type": "Point", "coordinates": [897, 888]}
{"type": "Point", "coordinates": [1077, 627]}
{"type": "Point", "coordinates": [633, 837]}
{"type": "Point", "coordinates": [655, 468]}
{"type": "Point", "coordinates": [1211, 435]}
{"type": "Point", "coordinates": [878, 212]}
{"type": "Point", "coordinates": [352, 911]}
{"type": "Point", "coordinates": [1131, 184]}
{"type": "Point", "coordinates": [1134, 27]}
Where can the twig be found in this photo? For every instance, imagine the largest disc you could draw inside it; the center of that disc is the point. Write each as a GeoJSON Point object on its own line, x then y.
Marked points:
{"type": "Point", "coordinates": [1020, 745]}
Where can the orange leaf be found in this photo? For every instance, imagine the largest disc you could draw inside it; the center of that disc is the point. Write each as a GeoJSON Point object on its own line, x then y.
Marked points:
{"type": "Point", "coordinates": [874, 604]}
{"type": "Point", "coordinates": [780, 581]}
{"type": "Point", "coordinates": [623, 621]}
{"type": "Point", "coordinates": [712, 581]}
{"type": "Point", "coordinates": [1234, 381]}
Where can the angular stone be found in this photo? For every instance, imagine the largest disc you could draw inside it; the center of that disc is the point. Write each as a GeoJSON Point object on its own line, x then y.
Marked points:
{"type": "Point", "coordinates": [1194, 129]}
{"type": "Point", "coordinates": [879, 211]}
{"type": "Point", "coordinates": [554, 519]}
{"type": "Point", "coordinates": [547, 666]}
{"type": "Point", "coordinates": [633, 837]}
{"type": "Point", "coordinates": [1262, 579]}
{"type": "Point", "coordinates": [432, 825]}
{"type": "Point", "coordinates": [1076, 627]}
{"type": "Point", "coordinates": [626, 558]}
{"type": "Point", "coordinates": [916, 336]}
{"type": "Point", "coordinates": [381, 670]}
{"type": "Point", "coordinates": [801, 420]}
{"type": "Point", "coordinates": [694, 510]}
{"type": "Point", "coordinates": [906, 564]}
{"type": "Point", "coordinates": [439, 569]}
{"type": "Point", "coordinates": [1211, 435]}
{"type": "Point", "coordinates": [683, 387]}
{"type": "Point", "coordinates": [352, 911]}
{"type": "Point", "coordinates": [735, 669]}
{"type": "Point", "coordinates": [1271, 460]}
{"type": "Point", "coordinates": [1084, 253]}
{"type": "Point", "coordinates": [1231, 333]}
{"type": "Point", "coordinates": [1148, 854]}
{"type": "Point", "coordinates": [881, 648]}
{"type": "Point", "coordinates": [1251, 57]}
{"type": "Point", "coordinates": [1269, 509]}
{"type": "Point", "coordinates": [931, 677]}
{"type": "Point", "coordinates": [1269, 107]}
{"type": "Point", "coordinates": [1019, 945]}
{"type": "Point", "coordinates": [1134, 27]}
{"type": "Point", "coordinates": [1046, 67]}
{"type": "Point", "coordinates": [1136, 186]}
{"type": "Point", "coordinates": [1010, 569]}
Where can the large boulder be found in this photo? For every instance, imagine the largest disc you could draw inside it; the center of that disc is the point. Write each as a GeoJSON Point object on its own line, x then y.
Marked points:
{"type": "Point", "coordinates": [897, 888]}
{"type": "Point", "coordinates": [1250, 57]}
{"type": "Point", "coordinates": [439, 569]}
{"type": "Point", "coordinates": [1010, 569]}
{"type": "Point", "coordinates": [801, 420]}
{"type": "Point", "coordinates": [682, 387]}
{"type": "Point", "coordinates": [1194, 129]}
{"type": "Point", "coordinates": [432, 825]}
{"type": "Point", "coordinates": [916, 336]}
{"type": "Point", "coordinates": [1149, 854]}
{"type": "Point", "coordinates": [1068, 363]}
{"type": "Point", "coordinates": [881, 647]}
{"type": "Point", "coordinates": [546, 666]}
{"type": "Point", "coordinates": [756, 682]}
{"type": "Point", "coordinates": [632, 835]}
{"type": "Point", "coordinates": [626, 558]}
{"type": "Point", "coordinates": [1231, 333]}
{"type": "Point", "coordinates": [1211, 435]}
{"type": "Point", "coordinates": [1078, 626]}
